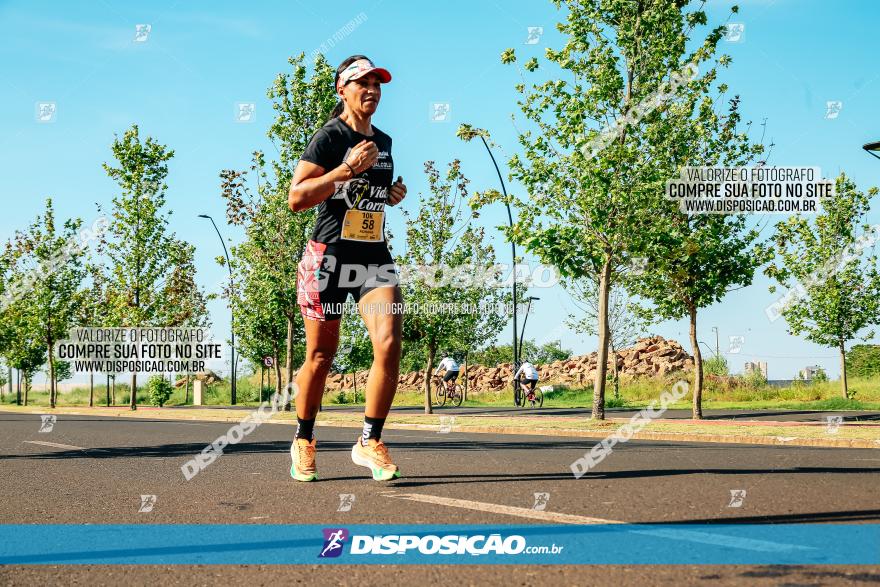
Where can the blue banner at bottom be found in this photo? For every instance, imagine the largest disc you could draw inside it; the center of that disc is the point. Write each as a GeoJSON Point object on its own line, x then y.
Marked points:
{"type": "Point", "coordinates": [623, 544]}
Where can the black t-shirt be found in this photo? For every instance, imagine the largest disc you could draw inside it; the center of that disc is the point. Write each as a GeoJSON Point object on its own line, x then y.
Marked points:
{"type": "Point", "coordinates": [355, 213]}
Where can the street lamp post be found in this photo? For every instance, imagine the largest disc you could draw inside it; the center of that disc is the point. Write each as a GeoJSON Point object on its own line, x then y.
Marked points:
{"type": "Point", "coordinates": [717, 345]}
{"type": "Point", "coordinates": [512, 251]}
{"type": "Point", "coordinates": [232, 395]}
{"type": "Point", "coordinates": [523, 333]}
{"type": "Point", "coordinates": [707, 346]}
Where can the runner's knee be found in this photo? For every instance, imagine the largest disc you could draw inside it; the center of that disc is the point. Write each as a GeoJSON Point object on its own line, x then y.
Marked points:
{"type": "Point", "coordinates": [386, 346]}
{"type": "Point", "coordinates": [319, 360]}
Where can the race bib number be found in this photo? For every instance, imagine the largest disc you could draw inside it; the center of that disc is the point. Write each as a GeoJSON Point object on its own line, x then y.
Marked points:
{"type": "Point", "coordinates": [359, 225]}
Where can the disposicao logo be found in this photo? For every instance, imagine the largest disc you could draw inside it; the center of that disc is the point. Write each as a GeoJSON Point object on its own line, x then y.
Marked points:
{"type": "Point", "coordinates": [334, 538]}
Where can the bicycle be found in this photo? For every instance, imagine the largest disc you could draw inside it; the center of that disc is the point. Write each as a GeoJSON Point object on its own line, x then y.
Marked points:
{"type": "Point", "coordinates": [521, 397]}
{"type": "Point", "coordinates": [447, 390]}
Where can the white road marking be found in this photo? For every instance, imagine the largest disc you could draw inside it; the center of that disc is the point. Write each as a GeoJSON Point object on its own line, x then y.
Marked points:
{"type": "Point", "coordinates": [558, 517]}
{"type": "Point", "coordinates": [503, 509]}
{"type": "Point", "coordinates": [54, 445]}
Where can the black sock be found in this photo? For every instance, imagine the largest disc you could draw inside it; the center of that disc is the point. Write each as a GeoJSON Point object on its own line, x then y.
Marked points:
{"type": "Point", "coordinates": [305, 428]}
{"type": "Point", "coordinates": [372, 429]}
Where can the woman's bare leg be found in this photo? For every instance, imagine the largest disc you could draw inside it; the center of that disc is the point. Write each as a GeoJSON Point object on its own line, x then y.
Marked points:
{"type": "Point", "coordinates": [322, 338]}
{"type": "Point", "coordinates": [381, 311]}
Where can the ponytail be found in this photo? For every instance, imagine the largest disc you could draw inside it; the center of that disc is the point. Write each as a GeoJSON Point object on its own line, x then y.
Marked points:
{"type": "Point", "coordinates": [337, 110]}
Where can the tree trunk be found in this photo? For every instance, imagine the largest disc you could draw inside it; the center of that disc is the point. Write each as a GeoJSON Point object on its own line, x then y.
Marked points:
{"type": "Point", "coordinates": [133, 399]}
{"type": "Point", "coordinates": [107, 391]}
{"type": "Point", "coordinates": [602, 357]}
{"type": "Point", "coordinates": [113, 388]}
{"type": "Point", "coordinates": [51, 377]}
{"type": "Point", "coordinates": [262, 378]}
{"type": "Point", "coordinates": [278, 381]}
{"type": "Point", "coordinates": [186, 390]}
{"type": "Point", "coordinates": [430, 365]}
{"type": "Point", "coordinates": [843, 383]}
{"type": "Point", "coordinates": [698, 367]}
{"type": "Point", "coordinates": [615, 374]}
{"type": "Point", "coordinates": [27, 388]}
{"type": "Point", "coordinates": [18, 387]}
{"type": "Point", "coordinates": [289, 349]}
{"type": "Point", "coordinates": [355, 382]}
{"type": "Point", "coordinates": [91, 390]}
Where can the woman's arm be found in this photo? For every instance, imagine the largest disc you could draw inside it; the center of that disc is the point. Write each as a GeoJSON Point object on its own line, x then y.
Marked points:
{"type": "Point", "coordinates": [311, 185]}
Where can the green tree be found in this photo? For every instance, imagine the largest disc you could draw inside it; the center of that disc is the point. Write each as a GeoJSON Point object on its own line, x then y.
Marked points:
{"type": "Point", "coordinates": [863, 360]}
{"type": "Point", "coordinates": [697, 259]}
{"type": "Point", "coordinates": [267, 261]}
{"type": "Point", "coordinates": [51, 259]}
{"type": "Point", "coordinates": [838, 288]}
{"type": "Point", "coordinates": [451, 251]}
{"type": "Point", "coordinates": [151, 274]}
{"type": "Point", "coordinates": [26, 350]}
{"type": "Point", "coordinates": [5, 331]}
{"type": "Point", "coordinates": [594, 189]}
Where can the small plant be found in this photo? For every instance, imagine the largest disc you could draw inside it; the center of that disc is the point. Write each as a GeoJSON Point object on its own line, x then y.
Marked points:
{"type": "Point", "coordinates": [159, 390]}
{"type": "Point", "coordinates": [716, 365]}
{"type": "Point", "coordinates": [615, 402]}
{"type": "Point", "coordinates": [851, 394]}
{"type": "Point", "coordinates": [340, 398]}
{"type": "Point", "coordinates": [754, 379]}
{"type": "Point", "coordinates": [821, 376]}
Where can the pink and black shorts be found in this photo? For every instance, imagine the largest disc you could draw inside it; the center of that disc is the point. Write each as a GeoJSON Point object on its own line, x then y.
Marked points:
{"type": "Point", "coordinates": [327, 273]}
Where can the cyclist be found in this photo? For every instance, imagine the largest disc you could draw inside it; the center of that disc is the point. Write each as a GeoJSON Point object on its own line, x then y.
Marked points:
{"type": "Point", "coordinates": [530, 375]}
{"type": "Point", "coordinates": [346, 171]}
{"type": "Point", "coordinates": [451, 367]}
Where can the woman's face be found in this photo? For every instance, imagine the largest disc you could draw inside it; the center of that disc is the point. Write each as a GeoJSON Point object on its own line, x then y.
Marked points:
{"type": "Point", "coordinates": [362, 95]}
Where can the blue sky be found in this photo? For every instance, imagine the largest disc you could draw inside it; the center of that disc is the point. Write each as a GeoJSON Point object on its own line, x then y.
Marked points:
{"type": "Point", "coordinates": [201, 58]}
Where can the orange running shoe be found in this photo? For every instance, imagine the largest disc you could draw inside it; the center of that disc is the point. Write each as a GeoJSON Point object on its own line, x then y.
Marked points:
{"type": "Point", "coordinates": [303, 454]}
{"type": "Point", "coordinates": [375, 457]}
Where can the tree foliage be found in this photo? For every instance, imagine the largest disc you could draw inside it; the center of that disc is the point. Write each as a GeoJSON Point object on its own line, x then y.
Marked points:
{"type": "Point", "coordinates": [824, 260]}
{"type": "Point", "coordinates": [453, 250]}
{"type": "Point", "coordinates": [589, 160]}
{"type": "Point", "coordinates": [151, 277]}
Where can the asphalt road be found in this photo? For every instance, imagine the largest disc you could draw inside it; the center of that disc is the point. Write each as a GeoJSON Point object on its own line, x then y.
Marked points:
{"type": "Point", "coordinates": [94, 470]}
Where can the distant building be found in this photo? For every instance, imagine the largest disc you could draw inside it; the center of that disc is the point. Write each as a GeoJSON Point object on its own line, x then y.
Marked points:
{"type": "Point", "coordinates": [760, 366]}
{"type": "Point", "coordinates": [808, 373]}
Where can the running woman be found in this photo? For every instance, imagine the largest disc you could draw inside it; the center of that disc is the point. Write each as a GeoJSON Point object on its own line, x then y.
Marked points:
{"type": "Point", "coordinates": [531, 375]}
{"type": "Point", "coordinates": [346, 171]}
{"type": "Point", "coordinates": [451, 367]}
